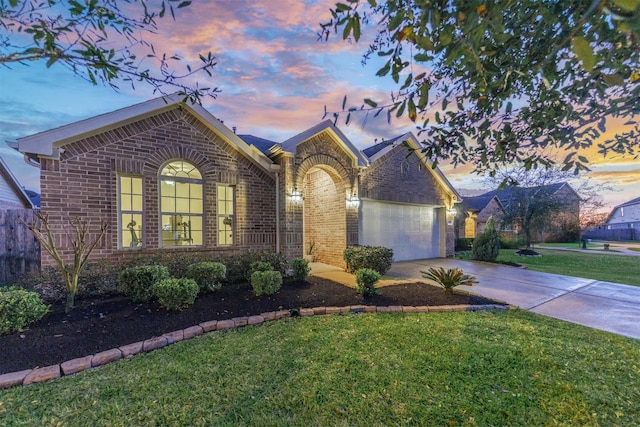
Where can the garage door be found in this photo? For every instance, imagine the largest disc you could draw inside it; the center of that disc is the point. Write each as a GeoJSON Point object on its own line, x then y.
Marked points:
{"type": "Point", "coordinates": [412, 231]}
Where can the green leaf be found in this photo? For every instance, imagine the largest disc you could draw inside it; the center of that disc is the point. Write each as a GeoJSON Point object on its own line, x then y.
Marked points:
{"type": "Point", "coordinates": [613, 79]}
{"type": "Point", "coordinates": [344, 101]}
{"type": "Point", "coordinates": [509, 107]}
{"type": "Point", "coordinates": [412, 110]}
{"type": "Point", "coordinates": [395, 22]}
{"type": "Point", "coordinates": [584, 52]}
{"type": "Point", "coordinates": [184, 4]}
{"type": "Point", "coordinates": [628, 5]}
{"type": "Point", "coordinates": [356, 26]}
{"type": "Point", "coordinates": [370, 103]}
{"type": "Point", "coordinates": [341, 7]}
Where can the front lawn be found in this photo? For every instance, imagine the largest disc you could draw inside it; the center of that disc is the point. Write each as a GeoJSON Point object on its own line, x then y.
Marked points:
{"type": "Point", "coordinates": [609, 268]}
{"type": "Point", "coordinates": [455, 368]}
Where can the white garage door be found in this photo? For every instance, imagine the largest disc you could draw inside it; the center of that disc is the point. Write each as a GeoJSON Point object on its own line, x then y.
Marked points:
{"type": "Point", "coordinates": [412, 231]}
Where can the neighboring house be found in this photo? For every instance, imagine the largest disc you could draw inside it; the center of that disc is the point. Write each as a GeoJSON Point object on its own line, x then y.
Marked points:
{"type": "Point", "coordinates": [562, 217]}
{"type": "Point", "coordinates": [473, 213]}
{"type": "Point", "coordinates": [168, 176]}
{"type": "Point", "coordinates": [624, 216]}
{"type": "Point", "coordinates": [12, 194]}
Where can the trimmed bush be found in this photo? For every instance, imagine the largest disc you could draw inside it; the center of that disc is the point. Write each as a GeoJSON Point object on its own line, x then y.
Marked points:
{"type": "Point", "coordinates": [137, 282]}
{"type": "Point", "coordinates": [366, 280]}
{"type": "Point", "coordinates": [266, 282]}
{"type": "Point", "coordinates": [19, 308]}
{"type": "Point", "coordinates": [486, 245]}
{"type": "Point", "coordinates": [301, 269]}
{"type": "Point", "coordinates": [463, 244]}
{"type": "Point", "coordinates": [260, 266]}
{"type": "Point", "coordinates": [511, 242]}
{"type": "Point", "coordinates": [239, 267]}
{"type": "Point", "coordinates": [208, 275]}
{"type": "Point", "coordinates": [377, 258]}
{"type": "Point", "coordinates": [175, 294]}
{"type": "Point", "coordinates": [450, 278]}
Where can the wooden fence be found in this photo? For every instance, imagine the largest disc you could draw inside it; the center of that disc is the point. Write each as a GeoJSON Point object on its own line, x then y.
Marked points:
{"type": "Point", "coordinates": [19, 249]}
{"type": "Point", "coordinates": [612, 234]}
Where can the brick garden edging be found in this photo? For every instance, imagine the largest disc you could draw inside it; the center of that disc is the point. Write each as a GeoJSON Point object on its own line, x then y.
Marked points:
{"type": "Point", "coordinates": [71, 367]}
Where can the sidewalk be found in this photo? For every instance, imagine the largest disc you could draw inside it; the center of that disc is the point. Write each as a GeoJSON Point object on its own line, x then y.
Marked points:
{"type": "Point", "coordinates": [611, 307]}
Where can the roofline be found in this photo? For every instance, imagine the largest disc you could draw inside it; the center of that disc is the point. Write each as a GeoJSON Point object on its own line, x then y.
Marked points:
{"type": "Point", "coordinates": [15, 184]}
{"type": "Point", "coordinates": [411, 139]}
{"type": "Point", "coordinates": [356, 155]}
{"type": "Point", "coordinates": [49, 144]}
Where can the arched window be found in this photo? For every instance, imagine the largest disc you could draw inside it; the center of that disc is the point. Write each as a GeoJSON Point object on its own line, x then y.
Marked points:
{"type": "Point", "coordinates": [181, 204]}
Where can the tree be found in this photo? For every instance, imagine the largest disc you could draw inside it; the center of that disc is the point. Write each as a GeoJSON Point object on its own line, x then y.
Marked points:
{"type": "Point", "coordinates": [82, 248]}
{"type": "Point", "coordinates": [486, 245]}
{"type": "Point", "coordinates": [80, 35]}
{"type": "Point", "coordinates": [514, 80]}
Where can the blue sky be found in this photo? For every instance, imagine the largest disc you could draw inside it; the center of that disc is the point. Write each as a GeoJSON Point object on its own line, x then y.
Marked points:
{"type": "Point", "coordinates": [275, 77]}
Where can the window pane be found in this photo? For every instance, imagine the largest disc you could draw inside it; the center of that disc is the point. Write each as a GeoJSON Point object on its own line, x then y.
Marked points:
{"type": "Point", "coordinates": [136, 186]}
{"type": "Point", "coordinates": [125, 185]}
{"type": "Point", "coordinates": [130, 216]}
{"type": "Point", "coordinates": [168, 188]}
{"type": "Point", "coordinates": [182, 189]}
{"type": "Point", "coordinates": [131, 233]}
{"type": "Point", "coordinates": [182, 205]}
{"type": "Point", "coordinates": [195, 191]}
{"type": "Point", "coordinates": [136, 203]}
{"type": "Point", "coordinates": [125, 203]}
{"type": "Point", "coordinates": [196, 206]}
{"type": "Point", "coordinates": [168, 204]}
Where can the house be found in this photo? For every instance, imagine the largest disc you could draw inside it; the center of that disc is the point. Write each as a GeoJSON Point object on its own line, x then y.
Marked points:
{"type": "Point", "coordinates": [12, 194]}
{"type": "Point", "coordinates": [625, 216]}
{"type": "Point", "coordinates": [168, 176]}
{"type": "Point", "coordinates": [473, 213]}
{"type": "Point", "coordinates": [559, 202]}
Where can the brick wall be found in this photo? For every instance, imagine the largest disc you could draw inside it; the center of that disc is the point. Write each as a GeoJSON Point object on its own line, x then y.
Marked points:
{"type": "Point", "coordinates": [84, 183]}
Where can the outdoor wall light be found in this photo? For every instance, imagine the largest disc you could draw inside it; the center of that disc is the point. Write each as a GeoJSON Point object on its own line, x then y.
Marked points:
{"type": "Point", "coordinates": [296, 196]}
{"type": "Point", "coordinates": [353, 201]}
{"type": "Point", "coordinates": [452, 212]}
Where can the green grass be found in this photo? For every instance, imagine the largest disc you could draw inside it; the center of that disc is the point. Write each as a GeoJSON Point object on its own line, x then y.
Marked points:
{"type": "Point", "coordinates": [441, 369]}
{"type": "Point", "coordinates": [571, 245]}
{"type": "Point", "coordinates": [634, 249]}
{"type": "Point", "coordinates": [610, 268]}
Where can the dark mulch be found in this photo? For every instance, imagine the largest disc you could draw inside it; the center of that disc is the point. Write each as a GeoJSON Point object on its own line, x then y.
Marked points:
{"type": "Point", "coordinates": [98, 324]}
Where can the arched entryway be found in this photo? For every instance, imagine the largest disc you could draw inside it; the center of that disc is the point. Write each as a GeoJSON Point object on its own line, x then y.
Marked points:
{"type": "Point", "coordinates": [325, 214]}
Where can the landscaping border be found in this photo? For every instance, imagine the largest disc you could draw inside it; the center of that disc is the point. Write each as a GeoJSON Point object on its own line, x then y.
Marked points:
{"type": "Point", "coordinates": [73, 366]}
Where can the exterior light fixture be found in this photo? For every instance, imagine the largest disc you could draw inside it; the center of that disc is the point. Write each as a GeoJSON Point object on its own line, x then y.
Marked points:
{"type": "Point", "coordinates": [353, 201]}
{"type": "Point", "coordinates": [296, 196]}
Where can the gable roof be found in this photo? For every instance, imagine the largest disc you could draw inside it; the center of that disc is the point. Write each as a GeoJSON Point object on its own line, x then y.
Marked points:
{"type": "Point", "coordinates": [49, 143]}
{"type": "Point", "coordinates": [635, 201]}
{"type": "Point", "coordinates": [12, 185]}
{"type": "Point", "coordinates": [262, 144]}
{"type": "Point", "coordinates": [327, 126]}
{"type": "Point", "coordinates": [478, 203]}
{"type": "Point", "coordinates": [506, 194]}
{"type": "Point", "coordinates": [376, 151]}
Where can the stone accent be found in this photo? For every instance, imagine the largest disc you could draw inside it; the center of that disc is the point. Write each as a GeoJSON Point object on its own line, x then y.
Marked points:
{"type": "Point", "coordinates": [332, 310]}
{"type": "Point", "coordinates": [13, 379]}
{"type": "Point", "coordinates": [319, 310]}
{"type": "Point", "coordinates": [282, 314]}
{"type": "Point", "coordinates": [154, 344]}
{"type": "Point", "coordinates": [209, 326]}
{"type": "Point", "coordinates": [240, 321]}
{"type": "Point", "coordinates": [193, 331]}
{"type": "Point", "coordinates": [42, 374]}
{"type": "Point", "coordinates": [105, 357]}
{"type": "Point", "coordinates": [74, 366]}
{"type": "Point", "coordinates": [269, 316]}
{"type": "Point", "coordinates": [306, 312]}
{"type": "Point", "coordinates": [255, 320]}
{"type": "Point", "coordinates": [130, 350]}
{"type": "Point", "coordinates": [225, 324]}
{"type": "Point", "coordinates": [174, 336]}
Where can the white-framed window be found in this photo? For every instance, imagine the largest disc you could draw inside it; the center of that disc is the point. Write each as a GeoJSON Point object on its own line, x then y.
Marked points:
{"type": "Point", "coordinates": [181, 204]}
{"type": "Point", "coordinates": [226, 214]}
{"type": "Point", "coordinates": [130, 211]}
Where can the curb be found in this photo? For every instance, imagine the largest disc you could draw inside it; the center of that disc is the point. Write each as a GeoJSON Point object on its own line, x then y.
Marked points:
{"type": "Point", "coordinates": [74, 366]}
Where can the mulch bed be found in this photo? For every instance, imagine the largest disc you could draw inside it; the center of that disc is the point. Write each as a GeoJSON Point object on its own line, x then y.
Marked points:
{"type": "Point", "coordinates": [98, 324]}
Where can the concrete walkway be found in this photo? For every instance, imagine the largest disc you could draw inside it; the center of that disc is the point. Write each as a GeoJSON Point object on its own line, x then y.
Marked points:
{"type": "Point", "coordinates": [602, 305]}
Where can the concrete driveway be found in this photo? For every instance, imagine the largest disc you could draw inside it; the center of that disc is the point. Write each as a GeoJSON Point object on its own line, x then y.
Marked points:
{"type": "Point", "coordinates": [602, 305]}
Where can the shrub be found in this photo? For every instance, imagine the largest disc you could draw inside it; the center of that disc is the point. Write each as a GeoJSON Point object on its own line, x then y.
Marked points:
{"type": "Point", "coordinates": [377, 258]}
{"type": "Point", "coordinates": [463, 244]}
{"type": "Point", "coordinates": [137, 282]}
{"type": "Point", "coordinates": [266, 282]}
{"type": "Point", "coordinates": [511, 242]}
{"type": "Point", "coordinates": [176, 262]}
{"type": "Point", "coordinates": [450, 278]}
{"type": "Point", "coordinates": [366, 280]}
{"type": "Point", "coordinates": [239, 267]}
{"type": "Point", "coordinates": [486, 245]}
{"type": "Point", "coordinates": [260, 266]}
{"type": "Point", "coordinates": [301, 269]}
{"type": "Point", "coordinates": [19, 308]}
{"type": "Point", "coordinates": [208, 275]}
{"type": "Point", "coordinates": [175, 294]}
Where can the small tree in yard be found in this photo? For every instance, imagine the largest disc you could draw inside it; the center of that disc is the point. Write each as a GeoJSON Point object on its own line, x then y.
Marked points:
{"type": "Point", "coordinates": [82, 248]}
{"type": "Point", "coordinates": [450, 278]}
{"type": "Point", "coordinates": [486, 245]}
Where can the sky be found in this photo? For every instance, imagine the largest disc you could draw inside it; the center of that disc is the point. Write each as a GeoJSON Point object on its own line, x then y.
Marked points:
{"type": "Point", "coordinates": [275, 78]}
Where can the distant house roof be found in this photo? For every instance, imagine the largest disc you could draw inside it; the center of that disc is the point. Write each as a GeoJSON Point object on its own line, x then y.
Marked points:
{"type": "Point", "coordinates": [11, 192]}
{"type": "Point", "coordinates": [629, 203]}
{"type": "Point", "coordinates": [374, 149]}
{"type": "Point", "coordinates": [509, 193]}
{"type": "Point", "coordinates": [34, 197]}
{"type": "Point", "coordinates": [478, 203]}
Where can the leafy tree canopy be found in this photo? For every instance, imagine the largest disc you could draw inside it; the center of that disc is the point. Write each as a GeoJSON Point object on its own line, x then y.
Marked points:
{"type": "Point", "coordinates": [493, 82]}
{"type": "Point", "coordinates": [83, 34]}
